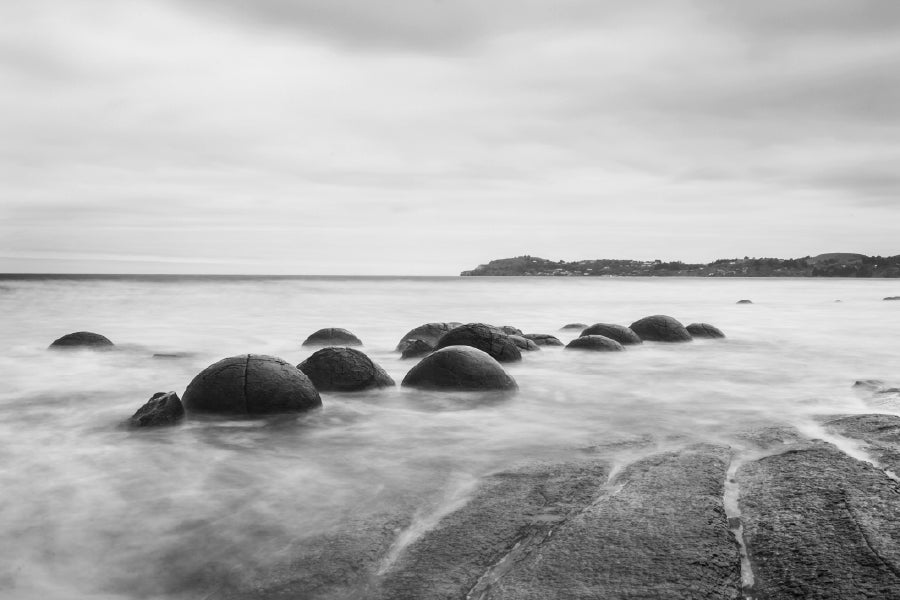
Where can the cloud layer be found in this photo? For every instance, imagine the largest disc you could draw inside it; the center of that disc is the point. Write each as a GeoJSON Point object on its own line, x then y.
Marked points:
{"type": "Point", "coordinates": [425, 137]}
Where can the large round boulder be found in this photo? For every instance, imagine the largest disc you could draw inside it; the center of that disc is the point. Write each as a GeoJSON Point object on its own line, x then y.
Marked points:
{"type": "Point", "coordinates": [595, 343]}
{"type": "Point", "coordinates": [620, 333]}
{"type": "Point", "coordinates": [704, 330]}
{"type": "Point", "coordinates": [344, 370]}
{"type": "Point", "coordinates": [523, 343]}
{"type": "Point", "coordinates": [459, 368]}
{"type": "Point", "coordinates": [250, 384]}
{"type": "Point", "coordinates": [332, 336]}
{"type": "Point", "coordinates": [429, 333]}
{"type": "Point", "coordinates": [416, 349]}
{"type": "Point", "coordinates": [484, 337]}
{"type": "Point", "coordinates": [82, 339]}
{"type": "Point", "coordinates": [543, 339]}
{"type": "Point", "coordinates": [660, 328]}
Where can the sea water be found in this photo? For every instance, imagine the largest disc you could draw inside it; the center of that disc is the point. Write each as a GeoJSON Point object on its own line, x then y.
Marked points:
{"type": "Point", "coordinates": [90, 509]}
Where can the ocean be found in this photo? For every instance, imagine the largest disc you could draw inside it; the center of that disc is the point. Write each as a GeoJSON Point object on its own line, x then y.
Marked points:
{"type": "Point", "coordinates": [91, 509]}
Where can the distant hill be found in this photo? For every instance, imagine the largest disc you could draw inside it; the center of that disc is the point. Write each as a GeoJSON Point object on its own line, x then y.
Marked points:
{"type": "Point", "coordinates": [833, 264]}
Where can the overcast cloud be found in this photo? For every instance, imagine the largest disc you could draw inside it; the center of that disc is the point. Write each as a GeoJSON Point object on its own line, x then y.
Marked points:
{"type": "Point", "coordinates": [427, 136]}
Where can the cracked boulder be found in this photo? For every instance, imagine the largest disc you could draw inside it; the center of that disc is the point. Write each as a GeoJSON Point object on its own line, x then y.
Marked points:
{"type": "Point", "coordinates": [704, 330]}
{"type": "Point", "coordinates": [595, 343]}
{"type": "Point", "coordinates": [82, 339]}
{"type": "Point", "coordinates": [660, 328]}
{"type": "Point", "coordinates": [250, 384]}
{"type": "Point", "coordinates": [820, 524]}
{"type": "Point", "coordinates": [163, 408]}
{"type": "Point", "coordinates": [332, 336]}
{"type": "Point", "coordinates": [484, 337]}
{"type": "Point", "coordinates": [543, 339]}
{"type": "Point", "coordinates": [344, 370]}
{"type": "Point", "coordinates": [459, 368]}
{"type": "Point", "coordinates": [620, 333]}
{"type": "Point", "coordinates": [429, 333]}
{"type": "Point", "coordinates": [524, 343]}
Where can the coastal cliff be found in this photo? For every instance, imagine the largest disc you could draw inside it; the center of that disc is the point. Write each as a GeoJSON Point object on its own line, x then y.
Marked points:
{"type": "Point", "coordinates": [824, 265]}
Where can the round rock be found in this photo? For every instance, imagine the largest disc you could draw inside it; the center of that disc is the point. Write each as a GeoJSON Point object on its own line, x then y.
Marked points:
{"type": "Point", "coordinates": [543, 339]}
{"type": "Point", "coordinates": [704, 330]}
{"type": "Point", "coordinates": [250, 384]}
{"type": "Point", "coordinates": [660, 328]}
{"type": "Point", "coordinates": [523, 343]}
{"type": "Point", "coordinates": [416, 349]}
{"type": "Point", "coordinates": [620, 333]}
{"type": "Point", "coordinates": [484, 337]}
{"type": "Point", "coordinates": [573, 326]}
{"type": "Point", "coordinates": [82, 339]}
{"type": "Point", "coordinates": [429, 333]}
{"type": "Point", "coordinates": [596, 343]}
{"type": "Point", "coordinates": [344, 370]}
{"type": "Point", "coordinates": [332, 336]}
{"type": "Point", "coordinates": [459, 368]}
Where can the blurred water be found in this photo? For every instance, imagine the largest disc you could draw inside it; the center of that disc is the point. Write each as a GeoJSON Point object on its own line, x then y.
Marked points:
{"type": "Point", "coordinates": [91, 510]}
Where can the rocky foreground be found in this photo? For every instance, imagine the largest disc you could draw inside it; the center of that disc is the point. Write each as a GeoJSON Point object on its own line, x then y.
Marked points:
{"type": "Point", "coordinates": [632, 520]}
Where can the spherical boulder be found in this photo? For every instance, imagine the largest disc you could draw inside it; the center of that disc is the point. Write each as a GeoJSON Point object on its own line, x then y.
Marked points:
{"type": "Point", "coordinates": [82, 339]}
{"type": "Point", "coordinates": [344, 370]}
{"type": "Point", "coordinates": [524, 343]}
{"type": "Point", "coordinates": [660, 328]}
{"type": "Point", "coordinates": [484, 337]}
{"type": "Point", "coordinates": [429, 333]}
{"type": "Point", "coordinates": [332, 336]}
{"type": "Point", "coordinates": [620, 333]}
{"type": "Point", "coordinates": [163, 408]}
{"type": "Point", "coordinates": [573, 326]}
{"type": "Point", "coordinates": [250, 384]}
{"type": "Point", "coordinates": [704, 330]}
{"type": "Point", "coordinates": [596, 343]}
{"type": "Point", "coordinates": [510, 330]}
{"type": "Point", "coordinates": [459, 368]}
{"type": "Point", "coordinates": [416, 349]}
{"type": "Point", "coordinates": [543, 339]}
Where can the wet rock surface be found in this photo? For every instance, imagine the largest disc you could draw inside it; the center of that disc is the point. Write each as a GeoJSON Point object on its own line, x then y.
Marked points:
{"type": "Point", "coordinates": [163, 408]}
{"type": "Point", "coordinates": [82, 339]}
{"type": "Point", "coordinates": [416, 348]}
{"type": "Point", "coordinates": [250, 384]}
{"type": "Point", "coordinates": [523, 343]}
{"type": "Point", "coordinates": [880, 435]}
{"type": "Point", "coordinates": [820, 524]}
{"type": "Point", "coordinates": [459, 368]}
{"type": "Point", "coordinates": [704, 330]}
{"type": "Point", "coordinates": [429, 333]}
{"type": "Point", "coordinates": [344, 370]}
{"type": "Point", "coordinates": [620, 333]}
{"type": "Point", "coordinates": [595, 343]}
{"type": "Point", "coordinates": [332, 336]}
{"type": "Point", "coordinates": [484, 337]}
{"type": "Point", "coordinates": [543, 339]}
{"type": "Point", "coordinates": [661, 328]}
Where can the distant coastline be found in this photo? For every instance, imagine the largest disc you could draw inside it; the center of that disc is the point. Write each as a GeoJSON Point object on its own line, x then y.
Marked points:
{"type": "Point", "coordinates": [833, 264]}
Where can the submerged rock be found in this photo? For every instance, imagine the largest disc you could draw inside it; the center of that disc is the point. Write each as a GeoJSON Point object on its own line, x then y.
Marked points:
{"type": "Point", "coordinates": [893, 298]}
{"type": "Point", "coordinates": [661, 328]}
{"type": "Point", "coordinates": [704, 330]}
{"type": "Point", "coordinates": [429, 333]}
{"type": "Point", "coordinates": [416, 348]}
{"type": "Point", "coordinates": [344, 370]}
{"type": "Point", "coordinates": [620, 333]}
{"type": "Point", "coordinates": [484, 337]}
{"type": "Point", "coordinates": [163, 408]}
{"type": "Point", "coordinates": [459, 368]}
{"type": "Point", "coordinates": [523, 343]}
{"type": "Point", "coordinates": [82, 339]}
{"type": "Point", "coordinates": [744, 302]}
{"type": "Point", "coordinates": [573, 326]}
{"type": "Point", "coordinates": [332, 336]}
{"type": "Point", "coordinates": [596, 343]}
{"type": "Point", "coordinates": [251, 384]}
{"type": "Point", "coordinates": [543, 339]}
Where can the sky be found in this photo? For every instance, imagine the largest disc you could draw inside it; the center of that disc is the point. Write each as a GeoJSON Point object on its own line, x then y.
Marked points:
{"type": "Point", "coordinates": [424, 137]}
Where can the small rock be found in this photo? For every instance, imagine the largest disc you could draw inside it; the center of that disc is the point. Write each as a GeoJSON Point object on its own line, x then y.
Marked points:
{"type": "Point", "coordinates": [893, 298]}
{"type": "Point", "coordinates": [332, 336]}
{"type": "Point", "coordinates": [744, 302]}
{"type": "Point", "coordinates": [620, 333]}
{"type": "Point", "coordinates": [82, 339]}
{"type": "Point", "coordinates": [163, 408]}
{"type": "Point", "coordinates": [429, 333]}
{"type": "Point", "coordinates": [524, 343]}
{"type": "Point", "coordinates": [573, 326]}
{"type": "Point", "coordinates": [510, 330]}
{"type": "Point", "coordinates": [543, 339]}
{"type": "Point", "coordinates": [704, 330]}
{"type": "Point", "coordinates": [597, 343]}
{"type": "Point", "coordinates": [416, 348]}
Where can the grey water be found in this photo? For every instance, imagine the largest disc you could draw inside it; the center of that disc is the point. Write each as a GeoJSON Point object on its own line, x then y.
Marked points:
{"type": "Point", "coordinates": [89, 509]}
